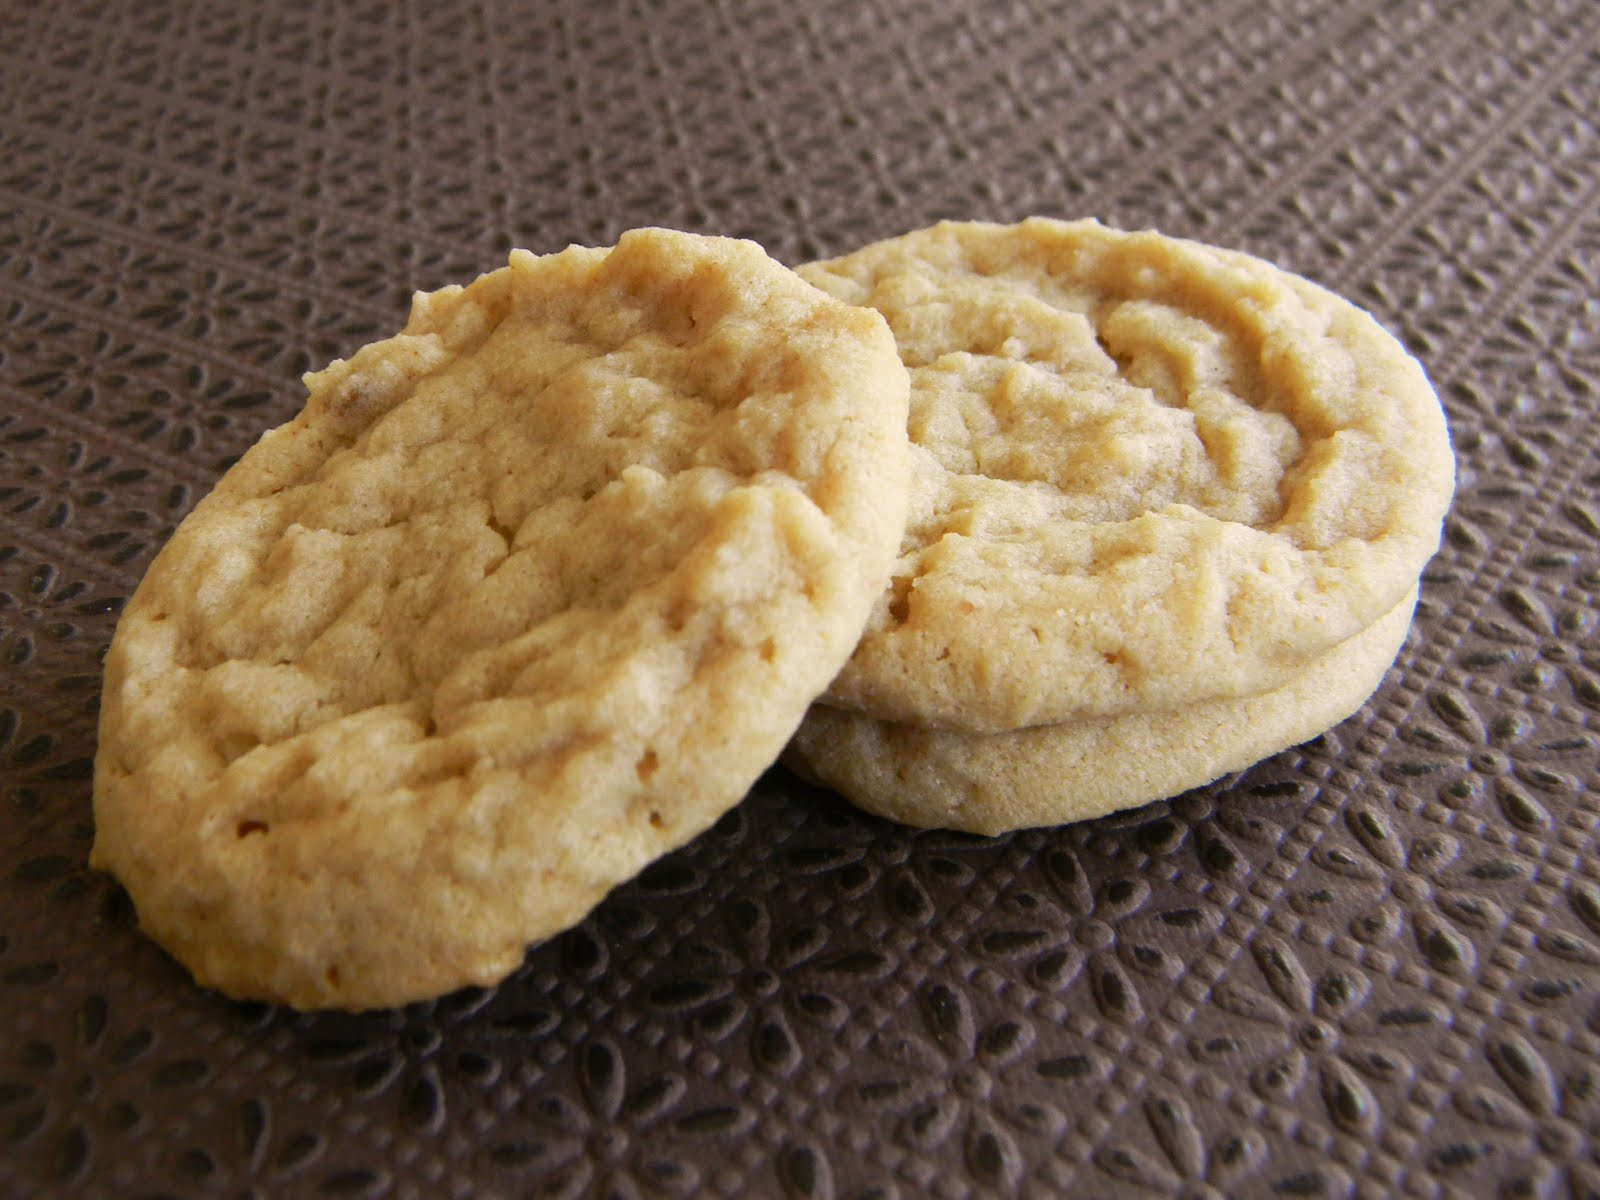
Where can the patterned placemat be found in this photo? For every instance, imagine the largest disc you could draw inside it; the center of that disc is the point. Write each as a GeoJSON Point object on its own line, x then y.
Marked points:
{"type": "Point", "coordinates": [1369, 966]}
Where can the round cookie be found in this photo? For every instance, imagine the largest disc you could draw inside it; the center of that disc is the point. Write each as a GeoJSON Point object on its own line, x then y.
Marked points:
{"type": "Point", "coordinates": [1052, 774]}
{"type": "Point", "coordinates": [526, 596]}
{"type": "Point", "coordinates": [1146, 472]}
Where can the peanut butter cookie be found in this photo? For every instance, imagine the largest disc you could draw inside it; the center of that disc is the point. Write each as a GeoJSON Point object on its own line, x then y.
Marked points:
{"type": "Point", "coordinates": [1146, 473]}
{"type": "Point", "coordinates": [526, 596]}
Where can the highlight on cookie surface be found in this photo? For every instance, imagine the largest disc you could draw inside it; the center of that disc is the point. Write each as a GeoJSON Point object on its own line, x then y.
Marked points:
{"type": "Point", "coordinates": [1146, 473]}
{"type": "Point", "coordinates": [526, 596]}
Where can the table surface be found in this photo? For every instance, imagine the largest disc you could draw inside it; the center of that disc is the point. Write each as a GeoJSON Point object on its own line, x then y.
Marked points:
{"type": "Point", "coordinates": [1368, 966]}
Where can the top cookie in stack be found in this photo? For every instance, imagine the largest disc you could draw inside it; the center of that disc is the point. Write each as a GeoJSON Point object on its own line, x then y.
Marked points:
{"type": "Point", "coordinates": [1169, 508]}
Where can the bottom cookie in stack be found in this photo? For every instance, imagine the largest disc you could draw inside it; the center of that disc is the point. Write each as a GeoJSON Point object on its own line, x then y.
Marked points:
{"type": "Point", "coordinates": [1075, 770]}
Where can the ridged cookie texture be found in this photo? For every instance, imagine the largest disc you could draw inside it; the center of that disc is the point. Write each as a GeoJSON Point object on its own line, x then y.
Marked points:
{"type": "Point", "coordinates": [1146, 473]}
{"type": "Point", "coordinates": [526, 596]}
{"type": "Point", "coordinates": [1052, 774]}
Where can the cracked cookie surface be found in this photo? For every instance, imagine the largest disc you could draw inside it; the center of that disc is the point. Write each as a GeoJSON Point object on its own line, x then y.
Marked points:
{"type": "Point", "coordinates": [526, 596]}
{"type": "Point", "coordinates": [1145, 472]}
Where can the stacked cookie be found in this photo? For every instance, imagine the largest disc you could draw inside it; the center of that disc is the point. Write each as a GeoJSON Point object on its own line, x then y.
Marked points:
{"type": "Point", "coordinates": [1169, 508]}
{"type": "Point", "coordinates": [530, 593]}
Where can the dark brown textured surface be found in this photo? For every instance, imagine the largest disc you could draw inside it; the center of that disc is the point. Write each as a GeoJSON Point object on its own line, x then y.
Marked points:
{"type": "Point", "coordinates": [1370, 966]}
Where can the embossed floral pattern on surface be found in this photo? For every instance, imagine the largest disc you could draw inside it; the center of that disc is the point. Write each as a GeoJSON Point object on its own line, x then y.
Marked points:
{"type": "Point", "coordinates": [1532, 1128]}
{"type": "Point", "coordinates": [1325, 1036]}
{"type": "Point", "coordinates": [1184, 1161]}
{"type": "Point", "coordinates": [955, 1085]}
{"type": "Point", "coordinates": [1368, 967]}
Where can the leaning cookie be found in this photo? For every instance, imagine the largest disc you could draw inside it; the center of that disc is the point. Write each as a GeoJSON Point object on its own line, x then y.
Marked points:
{"type": "Point", "coordinates": [526, 596]}
{"type": "Point", "coordinates": [1146, 473]}
{"type": "Point", "coordinates": [1052, 774]}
